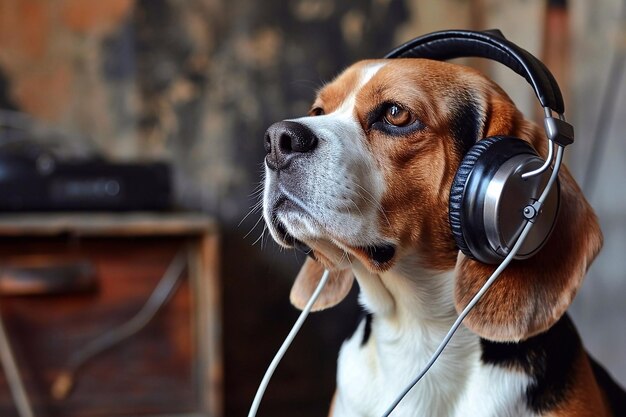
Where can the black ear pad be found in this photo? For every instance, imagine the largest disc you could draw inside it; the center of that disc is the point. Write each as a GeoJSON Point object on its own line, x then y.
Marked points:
{"type": "Point", "coordinates": [472, 178]}
{"type": "Point", "coordinates": [457, 190]}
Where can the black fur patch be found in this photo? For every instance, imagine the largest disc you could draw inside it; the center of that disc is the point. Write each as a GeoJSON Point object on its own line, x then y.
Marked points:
{"type": "Point", "coordinates": [547, 358]}
{"type": "Point", "coordinates": [615, 394]}
{"type": "Point", "coordinates": [367, 330]}
{"type": "Point", "coordinates": [466, 123]}
{"type": "Point", "coordinates": [380, 254]}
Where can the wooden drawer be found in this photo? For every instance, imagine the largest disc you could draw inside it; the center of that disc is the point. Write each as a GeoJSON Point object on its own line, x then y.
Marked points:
{"type": "Point", "coordinates": [170, 367]}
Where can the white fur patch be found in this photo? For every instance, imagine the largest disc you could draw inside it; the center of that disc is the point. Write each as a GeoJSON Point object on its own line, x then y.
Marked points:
{"type": "Point", "coordinates": [342, 188]}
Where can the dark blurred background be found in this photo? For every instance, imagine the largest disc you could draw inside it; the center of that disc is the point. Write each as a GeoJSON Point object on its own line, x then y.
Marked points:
{"type": "Point", "coordinates": [197, 82]}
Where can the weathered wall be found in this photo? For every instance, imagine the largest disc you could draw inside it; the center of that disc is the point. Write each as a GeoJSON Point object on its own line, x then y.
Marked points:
{"type": "Point", "coordinates": [198, 81]}
{"type": "Point", "coordinates": [600, 40]}
{"type": "Point", "coordinates": [193, 81]}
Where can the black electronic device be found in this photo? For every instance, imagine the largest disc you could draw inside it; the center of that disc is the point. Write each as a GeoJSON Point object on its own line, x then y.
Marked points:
{"type": "Point", "coordinates": [34, 178]}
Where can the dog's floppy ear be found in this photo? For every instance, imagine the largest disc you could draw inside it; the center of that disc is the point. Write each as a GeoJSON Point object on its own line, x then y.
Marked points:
{"type": "Point", "coordinates": [531, 295]}
{"type": "Point", "coordinates": [338, 286]}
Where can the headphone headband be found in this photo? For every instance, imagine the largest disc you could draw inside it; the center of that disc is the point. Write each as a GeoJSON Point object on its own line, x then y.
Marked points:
{"type": "Point", "coordinates": [491, 44]}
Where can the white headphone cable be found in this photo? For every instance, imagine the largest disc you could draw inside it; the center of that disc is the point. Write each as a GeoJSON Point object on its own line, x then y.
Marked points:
{"type": "Point", "coordinates": [483, 290]}
{"type": "Point", "coordinates": [283, 348]}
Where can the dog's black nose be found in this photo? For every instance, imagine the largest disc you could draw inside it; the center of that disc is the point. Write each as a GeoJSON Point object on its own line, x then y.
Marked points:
{"type": "Point", "coordinates": [286, 140]}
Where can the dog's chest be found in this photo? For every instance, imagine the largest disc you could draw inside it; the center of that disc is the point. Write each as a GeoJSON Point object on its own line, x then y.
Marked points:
{"type": "Point", "coordinates": [374, 370]}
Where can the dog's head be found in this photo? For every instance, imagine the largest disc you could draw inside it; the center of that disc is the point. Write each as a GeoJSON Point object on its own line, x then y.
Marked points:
{"type": "Point", "coordinates": [366, 177]}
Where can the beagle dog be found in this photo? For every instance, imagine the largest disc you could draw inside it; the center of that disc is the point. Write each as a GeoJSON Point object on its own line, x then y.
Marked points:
{"type": "Point", "coordinates": [364, 181]}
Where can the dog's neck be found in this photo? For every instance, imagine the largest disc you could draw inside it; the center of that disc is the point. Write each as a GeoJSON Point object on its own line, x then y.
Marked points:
{"type": "Point", "coordinates": [408, 293]}
{"type": "Point", "coordinates": [413, 310]}
{"type": "Point", "coordinates": [409, 301]}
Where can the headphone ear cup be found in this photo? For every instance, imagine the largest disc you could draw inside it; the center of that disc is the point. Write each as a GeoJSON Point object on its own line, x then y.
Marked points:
{"type": "Point", "coordinates": [488, 195]}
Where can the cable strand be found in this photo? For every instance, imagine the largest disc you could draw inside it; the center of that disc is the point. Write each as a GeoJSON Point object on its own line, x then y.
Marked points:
{"type": "Point", "coordinates": [283, 348]}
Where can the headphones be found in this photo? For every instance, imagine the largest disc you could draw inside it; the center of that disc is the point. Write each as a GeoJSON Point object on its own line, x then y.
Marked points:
{"type": "Point", "coordinates": [499, 184]}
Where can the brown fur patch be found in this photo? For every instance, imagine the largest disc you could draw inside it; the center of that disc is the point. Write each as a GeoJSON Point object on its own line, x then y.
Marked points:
{"type": "Point", "coordinates": [419, 168]}
{"type": "Point", "coordinates": [338, 286]}
{"type": "Point", "coordinates": [332, 95]}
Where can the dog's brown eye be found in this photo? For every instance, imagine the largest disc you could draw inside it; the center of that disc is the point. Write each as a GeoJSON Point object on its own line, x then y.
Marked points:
{"type": "Point", "coordinates": [397, 116]}
{"type": "Point", "coordinates": [317, 111]}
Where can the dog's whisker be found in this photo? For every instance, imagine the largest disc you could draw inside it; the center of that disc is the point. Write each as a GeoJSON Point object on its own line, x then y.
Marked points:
{"type": "Point", "coordinates": [254, 227]}
{"type": "Point", "coordinates": [254, 208]}
{"type": "Point", "coordinates": [256, 193]}
{"type": "Point", "coordinates": [345, 256]}
{"type": "Point", "coordinates": [367, 196]}
{"type": "Point", "coordinates": [367, 192]}
{"type": "Point", "coordinates": [260, 238]}
{"type": "Point", "coordinates": [257, 190]}
{"type": "Point", "coordinates": [373, 201]}
{"type": "Point", "coordinates": [355, 205]}
{"type": "Point", "coordinates": [346, 204]}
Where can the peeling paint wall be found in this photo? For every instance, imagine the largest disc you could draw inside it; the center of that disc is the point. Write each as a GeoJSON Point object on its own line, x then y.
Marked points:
{"type": "Point", "coordinates": [196, 82]}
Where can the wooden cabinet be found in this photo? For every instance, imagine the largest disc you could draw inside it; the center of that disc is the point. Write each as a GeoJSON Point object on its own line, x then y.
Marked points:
{"type": "Point", "coordinates": [171, 367]}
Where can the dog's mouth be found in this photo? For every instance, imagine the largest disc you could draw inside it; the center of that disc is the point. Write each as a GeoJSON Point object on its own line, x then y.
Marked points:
{"type": "Point", "coordinates": [380, 256]}
{"type": "Point", "coordinates": [283, 235]}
